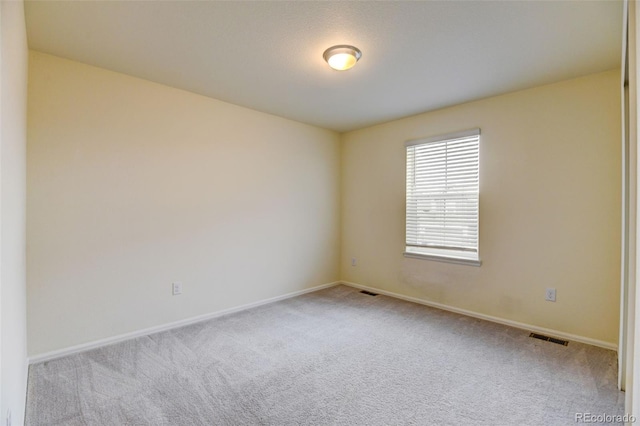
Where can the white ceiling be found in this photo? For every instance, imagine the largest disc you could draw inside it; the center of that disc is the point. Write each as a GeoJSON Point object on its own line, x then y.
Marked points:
{"type": "Point", "coordinates": [416, 56]}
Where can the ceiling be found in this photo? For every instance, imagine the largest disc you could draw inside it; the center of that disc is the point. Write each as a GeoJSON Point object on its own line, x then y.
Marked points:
{"type": "Point", "coordinates": [267, 55]}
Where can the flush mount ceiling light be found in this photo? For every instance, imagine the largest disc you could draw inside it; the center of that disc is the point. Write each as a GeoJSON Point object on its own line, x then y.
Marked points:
{"type": "Point", "coordinates": [342, 57]}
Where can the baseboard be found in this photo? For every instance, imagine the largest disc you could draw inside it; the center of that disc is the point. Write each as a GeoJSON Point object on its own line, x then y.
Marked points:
{"type": "Point", "coordinates": [516, 324]}
{"type": "Point", "coordinates": [48, 356]}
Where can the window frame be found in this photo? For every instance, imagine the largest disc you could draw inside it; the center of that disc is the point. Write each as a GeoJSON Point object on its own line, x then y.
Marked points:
{"type": "Point", "coordinates": [448, 255]}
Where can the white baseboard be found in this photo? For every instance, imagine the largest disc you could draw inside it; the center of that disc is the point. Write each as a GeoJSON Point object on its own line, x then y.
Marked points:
{"type": "Point", "coordinates": [181, 323]}
{"type": "Point", "coordinates": [516, 324]}
{"type": "Point", "coordinates": [48, 356]}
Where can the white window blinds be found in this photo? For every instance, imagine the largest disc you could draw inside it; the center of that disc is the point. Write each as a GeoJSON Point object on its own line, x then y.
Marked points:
{"type": "Point", "coordinates": [442, 195]}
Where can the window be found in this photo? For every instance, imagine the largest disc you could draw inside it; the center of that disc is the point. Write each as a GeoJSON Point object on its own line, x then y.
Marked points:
{"type": "Point", "coordinates": [442, 197]}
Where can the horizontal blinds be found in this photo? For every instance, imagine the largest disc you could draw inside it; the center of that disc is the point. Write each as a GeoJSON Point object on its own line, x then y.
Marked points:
{"type": "Point", "coordinates": [442, 192]}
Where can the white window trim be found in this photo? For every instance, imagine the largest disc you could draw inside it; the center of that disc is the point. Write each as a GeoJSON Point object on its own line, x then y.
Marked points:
{"type": "Point", "coordinates": [447, 258]}
{"type": "Point", "coordinates": [445, 255]}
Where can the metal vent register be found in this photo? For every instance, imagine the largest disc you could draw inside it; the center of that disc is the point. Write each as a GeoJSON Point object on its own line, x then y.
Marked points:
{"type": "Point", "coordinates": [549, 339]}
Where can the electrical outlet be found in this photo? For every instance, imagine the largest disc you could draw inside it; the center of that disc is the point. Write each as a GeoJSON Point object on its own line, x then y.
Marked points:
{"type": "Point", "coordinates": [177, 288]}
{"type": "Point", "coordinates": [550, 295]}
{"type": "Point", "coordinates": [354, 261]}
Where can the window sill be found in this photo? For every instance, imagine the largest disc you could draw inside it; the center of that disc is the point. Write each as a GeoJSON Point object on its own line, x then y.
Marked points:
{"type": "Point", "coordinates": [442, 258]}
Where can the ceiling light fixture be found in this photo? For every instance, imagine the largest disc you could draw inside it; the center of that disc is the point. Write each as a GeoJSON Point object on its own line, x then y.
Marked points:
{"type": "Point", "coordinates": [342, 57]}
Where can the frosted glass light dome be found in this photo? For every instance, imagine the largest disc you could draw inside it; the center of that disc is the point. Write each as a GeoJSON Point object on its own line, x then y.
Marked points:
{"type": "Point", "coordinates": [342, 57]}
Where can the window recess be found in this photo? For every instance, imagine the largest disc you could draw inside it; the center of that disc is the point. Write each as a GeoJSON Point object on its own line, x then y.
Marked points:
{"type": "Point", "coordinates": [442, 198]}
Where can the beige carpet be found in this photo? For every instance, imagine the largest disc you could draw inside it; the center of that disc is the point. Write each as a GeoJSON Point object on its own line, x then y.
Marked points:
{"type": "Point", "coordinates": [333, 357]}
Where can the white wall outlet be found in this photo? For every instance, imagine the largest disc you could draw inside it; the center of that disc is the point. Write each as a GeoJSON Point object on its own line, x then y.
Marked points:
{"type": "Point", "coordinates": [550, 295]}
{"type": "Point", "coordinates": [354, 261]}
{"type": "Point", "coordinates": [176, 288]}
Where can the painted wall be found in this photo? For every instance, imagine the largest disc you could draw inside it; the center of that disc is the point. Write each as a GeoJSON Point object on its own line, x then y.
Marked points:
{"type": "Point", "coordinates": [549, 208]}
{"type": "Point", "coordinates": [13, 142]}
{"type": "Point", "coordinates": [133, 185]}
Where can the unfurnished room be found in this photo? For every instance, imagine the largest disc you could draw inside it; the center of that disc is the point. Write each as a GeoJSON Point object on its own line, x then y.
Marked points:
{"type": "Point", "coordinates": [318, 213]}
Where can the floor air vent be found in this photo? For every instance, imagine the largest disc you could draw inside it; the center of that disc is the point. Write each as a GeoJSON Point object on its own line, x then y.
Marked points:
{"type": "Point", "coordinates": [549, 339]}
{"type": "Point", "coordinates": [368, 293]}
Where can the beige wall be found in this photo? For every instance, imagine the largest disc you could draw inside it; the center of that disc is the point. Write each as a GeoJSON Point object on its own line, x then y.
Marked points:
{"type": "Point", "coordinates": [13, 142]}
{"type": "Point", "coordinates": [133, 185]}
{"type": "Point", "coordinates": [549, 208]}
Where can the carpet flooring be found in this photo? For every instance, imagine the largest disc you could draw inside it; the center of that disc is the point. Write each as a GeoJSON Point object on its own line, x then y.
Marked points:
{"type": "Point", "coordinates": [332, 357]}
